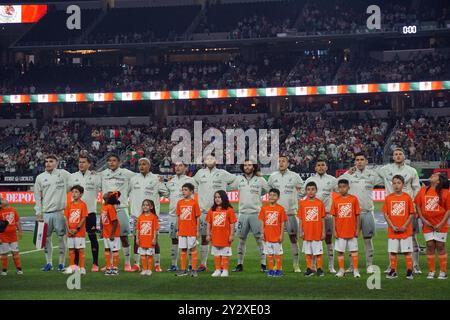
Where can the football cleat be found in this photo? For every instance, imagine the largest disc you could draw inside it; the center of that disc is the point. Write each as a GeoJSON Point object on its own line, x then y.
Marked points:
{"type": "Point", "coordinates": [48, 267]}
{"type": "Point", "coordinates": [238, 268]}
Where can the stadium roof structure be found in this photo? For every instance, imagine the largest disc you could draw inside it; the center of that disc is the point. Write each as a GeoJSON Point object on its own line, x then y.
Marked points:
{"type": "Point", "coordinates": [225, 93]}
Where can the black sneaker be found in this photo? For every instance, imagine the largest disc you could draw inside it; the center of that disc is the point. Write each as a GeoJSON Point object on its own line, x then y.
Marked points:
{"type": "Point", "coordinates": [309, 273]}
{"type": "Point", "coordinates": [108, 272]}
{"type": "Point", "coordinates": [238, 268]}
{"type": "Point", "coordinates": [320, 273]}
{"type": "Point", "coordinates": [409, 274]}
{"type": "Point", "coordinates": [392, 274]}
{"type": "Point", "coordinates": [181, 273]}
{"type": "Point", "coordinates": [263, 268]}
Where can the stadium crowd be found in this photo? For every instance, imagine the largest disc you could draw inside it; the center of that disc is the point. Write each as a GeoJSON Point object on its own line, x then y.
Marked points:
{"type": "Point", "coordinates": [304, 138]}
{"type": "Point", "coordinates": [424, 139]}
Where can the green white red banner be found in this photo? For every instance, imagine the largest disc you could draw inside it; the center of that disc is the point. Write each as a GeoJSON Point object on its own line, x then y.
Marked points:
{"type": "Point", "coordinates": [225, 93]}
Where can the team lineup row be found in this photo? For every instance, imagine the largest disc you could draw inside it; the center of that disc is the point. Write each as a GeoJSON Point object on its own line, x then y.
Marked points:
{"type": "Point", "coordinates": [315, 217]}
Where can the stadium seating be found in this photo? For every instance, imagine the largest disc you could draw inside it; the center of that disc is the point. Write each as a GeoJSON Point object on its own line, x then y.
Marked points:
{"type": "Point", "coordinates": [132, 25]}
{"type": "Point", "coordinates": [52, 29]}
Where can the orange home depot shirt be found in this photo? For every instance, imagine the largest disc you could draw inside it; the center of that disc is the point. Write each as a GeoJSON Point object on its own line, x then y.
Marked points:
{"type": "Point", "coordinates": [345, 211]}
{"type": "Point", "coordinates": [9, 235]}
{"type": "Point", "coordinates": [311, 212]}
{"type": "Point", "coordinates": [272, 217]}
{"type": "Point", "coordinates": [74, 213]}
{"type": "Point", "coordinates": [108, 215]}
{"type": "Point", "coordinates": [398, 209]}
{"type": "Point", "coordinates": [147, 226]}
{"type": "Point", "coordinates": [220, 221]}
{"type": "Point", "coordinates": [432, 208]}
{"type": "Point", "coordinates": [187, 211]}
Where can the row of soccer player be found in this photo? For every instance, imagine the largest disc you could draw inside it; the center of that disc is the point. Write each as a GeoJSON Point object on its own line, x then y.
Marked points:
{"type": "Point", "coordinates": [52, 185]}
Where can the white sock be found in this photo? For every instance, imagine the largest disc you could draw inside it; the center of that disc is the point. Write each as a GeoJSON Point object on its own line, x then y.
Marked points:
{"type": "Point", "coordinates": [49, 250]}
{"type": "Point", "coordinates": [241, 251]}
{"type": "Point", "coordinates": [126, 255]}
{"type": "Point", "coordinates": [174, 254]}
{"type": "Point", "coordinates": [137, 259]}
{"type": "Point", "coordinates": [368, 248]}
{"type": "Point", "coordinates": [416, 252]}
{"type": "Point", "coordinates": [62, 249]}
{"type": "Point", "coordinates": [157, 259]}
{"type": "Point", "coordinates": [260, 244]}
{"type": "Point", "coordinates": [295, 257]}
{"type": "Point", "coordinates": [330, 255]}
{"type": "Point", "coordinates": [204, 254]}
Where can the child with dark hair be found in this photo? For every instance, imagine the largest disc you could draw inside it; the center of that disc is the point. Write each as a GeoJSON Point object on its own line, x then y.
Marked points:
{"type": "Point", "coordinates": [111, 232]}
{"type": "Point", "coordinates": [220, 230]}
{"type": "Point", "coordinates": [433, 207]}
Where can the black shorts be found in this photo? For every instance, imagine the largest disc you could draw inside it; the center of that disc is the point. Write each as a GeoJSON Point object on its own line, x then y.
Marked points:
{"type": "Point", "coordinates": [91, 223]}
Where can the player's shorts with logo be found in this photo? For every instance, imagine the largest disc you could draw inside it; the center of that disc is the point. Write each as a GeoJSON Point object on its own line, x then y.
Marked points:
{"type": "Point", "coordinates": [400, 245]}
{"type": "Point", "coordinates": [367, 221]}
{"type": "Point", "coordinates": [291, 225]}
{"type": "Point", "coordinates": [203, 223]}
{"type": "Point", "coordinates": [173, 225]}
{"type": "Point", "coordinates": [436, 236]}
{"type": "Point", "coordinates": [273, 248]}
{"type": "Point", "coordinates": [76, 242]}
{"type": "Point", "coordinates": [146, 251]}
{"type": "Point", "coordinates": [312, 247]}
{"type": "Point", "coordinates": [55, 222]}
{"type": "Point", "coordinates": [6, 247]}
{"type": "Point", "coordinates": [91, 223]}
{"type": "Point", "coordinates": [124, 221]}
{"type": "Point", "coordinates": [221, 251]}
{"type": "Point", "coordinates": [187, 242]}
{"type": "Point", "coordinates": [248, 222]}
{"type": "Point", "coordinates": [112, 245]}
{"type": "Point", "coordinates": [328, 224]}
{"type": "Point", "coordinates": [342, 245]}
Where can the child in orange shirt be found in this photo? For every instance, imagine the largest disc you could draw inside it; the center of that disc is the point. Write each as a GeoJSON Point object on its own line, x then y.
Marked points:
{"type": "Point", "coordinates": [345, 212]}
{"type": "Point", "coordinates": [273, 216]}
{"type": "Point", "coordinates": [398, 211]}
{"type": "Point", "coordinates": [188, 212]}
{"type": "Point", "coordinates": [111, 232]}
{"type": "Point", "coordinates": [9, 237]}
{"type": "Point", "coordinates": [75, 216]}
{"type": "Point", "coordinates": [220, 229]}
{"type": "Point", "coordinates": [433, 207]}
{"type": "Point", "coordinates": [147, 227]}
{"type": "Point", "coordinates": [311, 214]}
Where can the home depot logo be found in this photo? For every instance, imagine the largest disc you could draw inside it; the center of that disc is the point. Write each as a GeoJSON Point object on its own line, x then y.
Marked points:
{"type": "Point", "coordinates": [219, 219]}
{"type": "Point", "coordinates": [104, 216]}
{"type": "Point", "coordinates": [146, 228]}
{"type": "Point", "coordinates": [345, 210]}
{"type": "Point", "coordinates": [186, 213]}
{"type": "Point", "coordinates": [398, 208]}
{"type": "Point", "coordinates": [312, 214]}
{"type": "Point", "coordinates": [432, 203]}
{"type": "Point", "coordinates": [272, 218]}
{"type": "Point", "coordinates": [75, 216]}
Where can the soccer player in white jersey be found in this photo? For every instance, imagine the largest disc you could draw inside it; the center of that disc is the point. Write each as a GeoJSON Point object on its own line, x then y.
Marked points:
{"type": "Point", "coordinates": [326, 184]}
{"type": "Point", "coordinates": [50, 192]}
{"type": "Point", "coordinates": [411, 187]}
{"type": "Point", "coordinates": [251, 187]}
{"type": "Point", "coordinates": [92, 184]}
{"type": "Point", "coordinates": [115, 178]}
{"type": "Point", "coordinates": [362, 181]}
{"type": "Point", "coordinates": [145, 185]}
{"type": "Point", "coordinates": [209, 180]}
{"type": "Point", "coordinates": [174, 186]}
{"type": "Point", "coordinates": [290, 185]}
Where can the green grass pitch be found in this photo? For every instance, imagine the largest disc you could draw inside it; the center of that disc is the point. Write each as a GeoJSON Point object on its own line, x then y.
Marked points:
{"type": "Point", "coordinates": [250, 284]}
